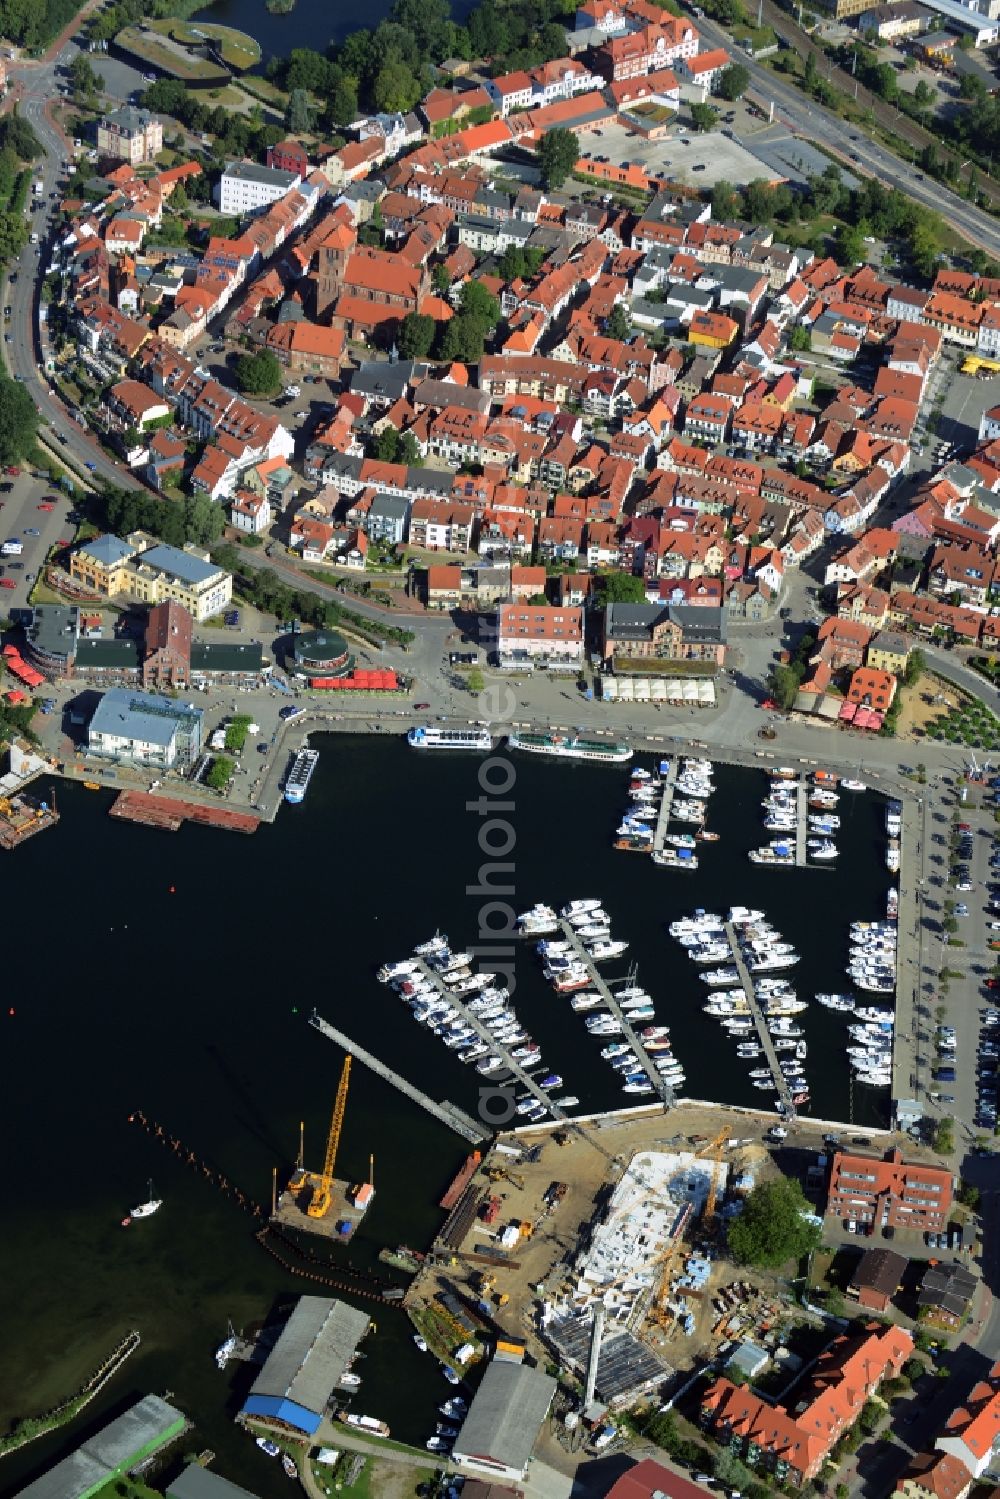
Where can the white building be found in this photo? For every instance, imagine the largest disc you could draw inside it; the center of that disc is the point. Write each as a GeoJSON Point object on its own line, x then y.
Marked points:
{"type": "Point", "coordinates": [539, 635]}
{"type": "Point", "coordinates": [250, 513]}
{"type": "Point", "coordinates": [989, 333]}
{"type": "Point", "coordinates": [506, 1415]}
{"type": "Point", "coordinates": [245, 187]}
{"type": "Point", "coordinates": [142, 728]}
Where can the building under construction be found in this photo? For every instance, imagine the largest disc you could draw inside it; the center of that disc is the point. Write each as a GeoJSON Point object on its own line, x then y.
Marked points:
{"type": "Point", "coordinates": [319, 1202]}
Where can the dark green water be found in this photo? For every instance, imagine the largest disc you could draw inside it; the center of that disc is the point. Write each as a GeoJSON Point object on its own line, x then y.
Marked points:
{"type": "Point", "coordinates": [312, 23]}
{"type": "Point", "coordinates": [192, 1006]}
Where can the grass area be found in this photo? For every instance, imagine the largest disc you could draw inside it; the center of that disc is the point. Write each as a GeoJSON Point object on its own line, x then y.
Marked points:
{"type": "Point", "coordinates": [655, 113]}
{"type": "Point", "coordinates": [229, 97]}
{"type": "Point", "coordinates": [264, 90]}
{"type": "Point", "coordinates": [236, 48]}
{"type": "Point", "coordinates": [138, 42]}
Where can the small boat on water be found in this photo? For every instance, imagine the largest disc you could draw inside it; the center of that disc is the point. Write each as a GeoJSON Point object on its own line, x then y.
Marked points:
{"type": "Point", "coordinates": [420, 1342]}
{"type": "Point", "coordinates": [144, 1209]}
{"type": "Point", "coordinates": [291, 1471]}
{"type": "Point", "coordinates": [266, 1445]}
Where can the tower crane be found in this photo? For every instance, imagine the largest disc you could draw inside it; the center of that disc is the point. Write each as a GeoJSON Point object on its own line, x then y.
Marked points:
{"type": "Point", "coordinates": [322, 1197]}
{"type": "Point", "coordinates": [714, 1153]}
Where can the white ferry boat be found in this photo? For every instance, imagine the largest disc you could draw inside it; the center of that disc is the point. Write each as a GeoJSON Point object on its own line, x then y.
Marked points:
{"type": "Point", "coordinates": [426, 737]}
{"type": "Point", "coordinates": [301, 773]}
{"type": "Point", "coordinates": [570, 747]}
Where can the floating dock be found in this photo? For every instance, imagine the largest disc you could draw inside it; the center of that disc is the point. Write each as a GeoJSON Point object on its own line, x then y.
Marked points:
{"type": "Point", "coordinates": [482, 1030]}
{"type": "Point", "coordinates": [21, 817]}
{"type": "Point", "coordinates": [576, 942]}
{"type": "Point", "coordinates": [446, 1112]}
{"type": "Point", "coordinates": [666, 805]}
{"type": "Point", "coordinates": [763, 1034]}
{"type": "Point", "coordinates": [801, 821]}
{"type": "Point", "coordinates": [170, 813]}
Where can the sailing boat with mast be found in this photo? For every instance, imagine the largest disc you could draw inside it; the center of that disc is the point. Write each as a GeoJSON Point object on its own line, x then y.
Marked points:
{"type": "Point", "coordinates": [145, 1209]}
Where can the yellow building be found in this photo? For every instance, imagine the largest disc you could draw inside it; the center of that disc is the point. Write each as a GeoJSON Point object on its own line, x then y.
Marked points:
{"type": "Point", "coordinates": [144, 569]}
{"type": "Point", "coordinates": [712, 330]}
{"type": "Point", "coordinates": [889, 651]}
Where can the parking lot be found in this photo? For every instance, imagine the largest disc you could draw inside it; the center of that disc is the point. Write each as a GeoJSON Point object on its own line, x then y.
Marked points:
{"type": "Point", "coordinates": [683, 155]}
{"type": "Point", "coordinates": [965, 398]}
{"type": "Point", "coordinates": [21, 495]}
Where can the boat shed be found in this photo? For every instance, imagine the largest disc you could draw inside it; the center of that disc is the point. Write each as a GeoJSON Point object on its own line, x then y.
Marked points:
{"type": "Point", "coordinates": [111, 1452]}
{"type": "Point", "coordinates": [505, 1417]}
{"type": "Point", "coordinates": [306, 1364]}
{"type": "Point", "coordinates": [196, 1482]}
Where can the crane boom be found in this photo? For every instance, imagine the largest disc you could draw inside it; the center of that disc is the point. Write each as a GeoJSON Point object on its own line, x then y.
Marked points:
{"type": "Point", "coordinates": [321, 1198]}
{"type": "Point", "coordinates": [714, 1152]}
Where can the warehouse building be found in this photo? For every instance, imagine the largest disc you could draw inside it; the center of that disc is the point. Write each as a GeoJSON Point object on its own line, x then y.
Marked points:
{"type": "Point", "coordinates": [505, 1417]}
{"type": "Point", "coordinates": [196, 1482]}
{"type": "Point", "coordinates": [306, 1364]}
{"type": "Point", "coordinates": [110, 1453]}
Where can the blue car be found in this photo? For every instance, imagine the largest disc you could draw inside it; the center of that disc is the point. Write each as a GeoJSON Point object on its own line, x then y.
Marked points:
{"type": "Point", "coordinates": [92, 467]}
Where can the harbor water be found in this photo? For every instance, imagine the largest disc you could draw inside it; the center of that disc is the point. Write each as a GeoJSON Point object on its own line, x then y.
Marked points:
{"type": "Point", "coordinates": [312, 23]}
{"type": "Point", "coordinates": [175, 973]}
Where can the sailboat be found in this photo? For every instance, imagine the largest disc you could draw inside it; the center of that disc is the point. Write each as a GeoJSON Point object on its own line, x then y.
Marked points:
{"type": "Point", "coordinates": [145, 1209]}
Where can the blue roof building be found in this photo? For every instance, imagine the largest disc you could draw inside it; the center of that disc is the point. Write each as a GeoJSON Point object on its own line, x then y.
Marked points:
{"type": "Point", "coordinates": [306, 1364]}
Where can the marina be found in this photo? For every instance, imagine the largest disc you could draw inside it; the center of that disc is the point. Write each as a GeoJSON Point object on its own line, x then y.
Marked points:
{"type": "Point", "coordinates": [764, 1038]}
{"type": "Point", "coordinates": [241, 1107]}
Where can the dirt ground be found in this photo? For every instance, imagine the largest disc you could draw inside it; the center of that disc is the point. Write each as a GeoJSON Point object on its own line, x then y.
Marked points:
{"type": "Point", "coordinates": [396, 1480]}
{"type": "Point", "coordinates": [923, 704]}
{"type": "Point", "coordinates": [590, 1164]}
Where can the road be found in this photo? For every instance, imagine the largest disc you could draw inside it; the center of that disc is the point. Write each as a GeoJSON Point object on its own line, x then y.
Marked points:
{"type": "Point", "coordinates": [825, 128]}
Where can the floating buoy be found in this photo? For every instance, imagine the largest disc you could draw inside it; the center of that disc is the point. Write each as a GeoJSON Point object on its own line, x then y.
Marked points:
{"type": "Point", "coordinates": [11, 1010]}
{"type": "Point", "coordinates": [173, 889]}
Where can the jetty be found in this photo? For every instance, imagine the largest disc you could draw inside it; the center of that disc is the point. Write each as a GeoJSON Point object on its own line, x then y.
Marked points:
{"type": "Point", "coordinates": [801, 821]}
{"type": "Point", "coordinates": [482, 1030]}
{"type": "Point", "coordinates": [446, 1112]}
{"type": "Point", "coordinates": [576, 942]}
{"type": "Point", "coordinates": [763, 1034]}
{"type": "Point", "coordinates": [666, 805]}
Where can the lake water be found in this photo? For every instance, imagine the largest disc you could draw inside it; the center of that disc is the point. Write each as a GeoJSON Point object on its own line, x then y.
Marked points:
{"type": "Point", "coordinates": [175, 974]}
{"type": "Point", "coordinates": [313, 23]}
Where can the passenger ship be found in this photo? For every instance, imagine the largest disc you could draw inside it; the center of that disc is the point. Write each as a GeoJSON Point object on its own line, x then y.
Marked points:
{"type": "Point", "coordinates": [298, 778]}
{"type": "Point", "coordinates": [426, 737]}
{"type": "Point", "coordinates": [570, 747]}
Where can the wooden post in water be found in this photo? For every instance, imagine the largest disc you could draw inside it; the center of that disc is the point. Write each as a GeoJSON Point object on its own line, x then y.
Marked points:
{"type": "Point", "coordinates": [274, 1190]}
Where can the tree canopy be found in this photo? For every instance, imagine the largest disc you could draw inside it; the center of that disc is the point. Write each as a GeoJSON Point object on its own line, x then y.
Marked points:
{"type": "Point", "coordinates": [257, 374]}
{"type": "Point", "coordinates": [621, 588]}
{"type": "Point", "coordinates": [733, 82]}
{"type": "Point", "coordinates": [417, 332]}
{"type": "Point", "coordinates": [557, 156]}
{"type": "Point", "coordinates": [703, 116]}
{"type": "Point", "coordinates": [18, 421]}
{"type": "Point", "coordinates": [771, 1229]}
{"type": "Point", "coordinates": [17, 134]}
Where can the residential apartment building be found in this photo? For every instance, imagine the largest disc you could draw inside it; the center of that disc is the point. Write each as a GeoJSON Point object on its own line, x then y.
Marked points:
{"type": "Point", "coordinates": [132, 135]}
{"type": "Point", "coordinates": [888, 1192]}
{"type": "Point", "coordinates": [539, 635]}
{"type": "Point", "coordinates": [245, 187]}
{"type": "Point", "coordinates": [151, 572]}
{"type": "Point", "coordinates": [795, 1446]}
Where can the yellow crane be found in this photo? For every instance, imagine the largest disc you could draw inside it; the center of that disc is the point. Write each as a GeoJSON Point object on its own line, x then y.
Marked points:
{"type": "Point", "coordinates": [714, 1154]}
{"type": "Point", "coordinates": [319, 1203]}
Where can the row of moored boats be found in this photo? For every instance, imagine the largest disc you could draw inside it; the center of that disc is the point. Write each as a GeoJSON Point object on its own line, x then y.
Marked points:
{"type": "Point", "coordinates": [781, 817]}
{"type": "Point", "coordinates": [569, 964]}
{"type": "Point", "coordinates": [471, 1013]}
{"type": "Point", "coordinates": [765, 954]}
{"type": "Point", "coordinates": [636, 833]}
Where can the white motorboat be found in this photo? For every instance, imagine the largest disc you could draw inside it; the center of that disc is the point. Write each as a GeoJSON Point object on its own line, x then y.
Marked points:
{"type": "Point", "coordinates": [603, 949]}
{"type": "Point", "coordinates": [579, 908]}
{"type": "Point", "coordinates": [853, 786]}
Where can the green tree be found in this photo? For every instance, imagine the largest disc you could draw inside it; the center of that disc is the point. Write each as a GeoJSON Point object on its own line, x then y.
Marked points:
{"type": "Point", "coordinates": [409, 451]}
{"type": "Point", "coordinates": [257, 374]}
{"type": "Point", "coordinates": [557, 156]}
{"type": "Point", "coordinates": [923, 95]}
{"type": "Point", "coordinates": [915, 667]}
{"type": "Point", "coordinates": [344, 108]}
{"type": "Point", "coordinates": [619, 324]}
{"type": "Point", "coordinates": [620, 588]}
{"type": "Point", "coordinates": [703, 116]}
{"type": "Point", "coordinates": [441, 280]}
{"type": "Point", "coordinates": [17, 134]}
{"type": "Point", "coordinates": [478, 303]}
{"type": "Point", "coordinates": [395, 90]}
{"type": "Point", "coordinates": [850, 245]}
{"type": "Point", "coordinates": [18, 421]}
{"type": "Point", "coordinates": [385, 446]}
{"type": "Point", "coordinates": [968, 1195]}
{"type": "Point", "coordinates": [772, 1229]}
{"type": "Point", "coordinates": [221, 773]}
{"type": "Point", "coordinates": [298, 117]}
{"type": "Point", "coordinates": [85, 82]}
{"type": "Point", "coordinates": [474, 681]}
{"type": "Point", "coordinates": [733, 82]}
{"type": "Point", "coordinates": [783, 685]}
{"type": "Point", "coordinates": [725, 201]}
{"type": "Point", "coordinates": [416, 335]}
{"type": "Point", "coordinates": [800, 339]}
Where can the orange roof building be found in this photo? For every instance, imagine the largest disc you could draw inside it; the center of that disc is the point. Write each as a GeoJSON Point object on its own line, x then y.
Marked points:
{"type": "Point", "coordinates": [889, 1192]}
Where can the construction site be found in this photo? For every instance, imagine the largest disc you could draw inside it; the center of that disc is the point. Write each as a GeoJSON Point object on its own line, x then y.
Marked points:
{"type": "Point", "coordinates": [598, 1247]}
{"type": "Point", "coordinates": [318, 1202]}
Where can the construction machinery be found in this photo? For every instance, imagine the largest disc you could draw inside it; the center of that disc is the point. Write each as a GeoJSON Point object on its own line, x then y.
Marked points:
{"type": "Point", "coordinates": [714, 1153]}
{"type": "Point", "coordinates": [500, 1173]}
{"type": "Point", "coordinates": [322, 1195]}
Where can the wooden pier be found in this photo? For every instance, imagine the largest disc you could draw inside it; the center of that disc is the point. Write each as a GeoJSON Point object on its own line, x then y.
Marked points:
{"type": "Point", "coordinates": [576, 942]}
{"type": "Point", "coordinates": [763, 1034]}
{"type": "Point", "coordinates": [448, 1113]}
{"type": "Point", "coordinates": [666, 805]}
{"type": "Point", "coordinates": [482, 1030]}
